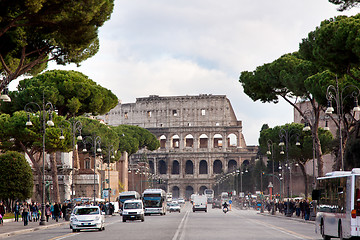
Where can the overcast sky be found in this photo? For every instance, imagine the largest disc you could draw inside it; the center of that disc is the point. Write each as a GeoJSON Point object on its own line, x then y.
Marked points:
{"type": "Point", "coordinates": [191, 47]}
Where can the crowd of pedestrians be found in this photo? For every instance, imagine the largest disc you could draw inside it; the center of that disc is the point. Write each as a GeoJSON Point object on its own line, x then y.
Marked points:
{"type": "Point", "coordinates": [301, 208]}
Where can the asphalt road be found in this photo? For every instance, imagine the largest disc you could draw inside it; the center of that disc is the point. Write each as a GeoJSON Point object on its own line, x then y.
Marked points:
{"type": "Point", "coordinates": [236, 224]}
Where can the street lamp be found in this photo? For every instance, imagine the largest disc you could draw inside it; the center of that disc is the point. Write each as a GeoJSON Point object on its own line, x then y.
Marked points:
{"type": "Point", "coordinates": [111, 153]}
{"type": "Point", "coordinates": [45, 108]}
{"type": "Point", "coordinates": [74, 126]}
{"type": "Point", "coordinates": [306, 128]}
{"type": "Point", "coordinates": [334, 93]}
{"type": "Point", "coordinates": [4, 96]}
{"type": "Point", "coordinates": [93, 141]}
{"type": "Point", "coordinates": [286, 134]}
{"type": "Point", "coordinates": [270, 145]}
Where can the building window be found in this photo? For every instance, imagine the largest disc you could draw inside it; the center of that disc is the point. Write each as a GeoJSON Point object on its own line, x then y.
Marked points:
{"type": "Point", "coordinates": [189, 124]}
{"type": "Point", "coordinates": [203, 112]}
{"type": "Point", "coordinates": [149, 113]}
{"type": "Point", "coordinates": [175, 113]}
{"type": "Point", "coordinates": [126, 115]}
{"type": "Point", "coordinates": [87, 164]}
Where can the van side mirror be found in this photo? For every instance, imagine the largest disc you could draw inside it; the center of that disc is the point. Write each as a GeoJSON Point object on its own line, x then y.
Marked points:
{"type": "Point", "coordinates": [316, 194]}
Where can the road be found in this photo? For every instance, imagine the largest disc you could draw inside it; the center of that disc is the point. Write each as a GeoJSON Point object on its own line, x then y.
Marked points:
{"type": "Point", "coordinates": [236, 224]}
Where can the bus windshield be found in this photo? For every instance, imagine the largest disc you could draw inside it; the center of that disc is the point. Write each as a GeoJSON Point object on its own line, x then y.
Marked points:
{"type": "Point", "coordinates": [152, 201]}
{"type": "Point", "coordinates": [357, 195]}
{"type": "Point", "coordinates": [127, 197]}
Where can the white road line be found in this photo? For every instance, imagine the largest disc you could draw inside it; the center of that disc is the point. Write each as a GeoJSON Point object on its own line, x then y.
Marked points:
{"type": "Point", "coordinates": [181, 226]}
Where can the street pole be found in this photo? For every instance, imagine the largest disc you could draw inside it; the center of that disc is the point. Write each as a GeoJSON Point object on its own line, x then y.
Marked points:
{"type": "Point", "coordinates": [50, 123]}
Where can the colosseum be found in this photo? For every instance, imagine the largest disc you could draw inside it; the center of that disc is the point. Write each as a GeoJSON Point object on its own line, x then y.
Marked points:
{"type": "Point", "coordinates": [200, 138]}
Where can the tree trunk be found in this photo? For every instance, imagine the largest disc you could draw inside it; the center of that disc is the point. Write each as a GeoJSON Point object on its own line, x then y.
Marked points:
{"type": "Point", "coordinates": [54, 174]}
{"type": "Point", "coordinates": [302, 167]}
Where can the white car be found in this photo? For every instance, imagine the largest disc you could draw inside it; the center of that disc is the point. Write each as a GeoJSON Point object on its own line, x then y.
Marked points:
{"type": "Point", "coordinates": [181, 201]}
{"type": "Point", "coordinates": [87, 217]}
{"type": "Point", "coordinates": [174, 207]}
{"type": "Point", "coordinates": [133, 210]}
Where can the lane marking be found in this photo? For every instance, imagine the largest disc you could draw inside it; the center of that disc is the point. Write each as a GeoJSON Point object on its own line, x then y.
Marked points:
{"type": "Point", "coordinates": [280, 229]}
{"type": "Point", "coordinates": [64, 236]}
{"type": "Point", "coordinates": [181, 226]}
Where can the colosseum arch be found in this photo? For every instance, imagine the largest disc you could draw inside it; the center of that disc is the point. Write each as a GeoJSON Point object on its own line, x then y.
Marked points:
{"type": "Point", "coordinates": [232, 140]}
{"type": "Point", "coordinates": [217, 167]}
{"type": "Point", "coordinates": [188, 191]}
{"type": "Point", "coordinates": [218, 141]}
{"type": "Point", "coordinates": [151, 166]}
{"type": "Point", "coordinates": [189, 141]}
{"type": "Point", "coordinates": [175, 169]}
{"type": "Point", "coordinates": [202, 189]}
{"type": "Point", "coordinates": [162, 140]}
{"type": "Point", "coordinates": [162, 167]}
{"type": "Point", "coordinates": [232, 165]}
{"type": "Point", "coordinates": [175, 141]}
{"type": "Point", "coordinates": [175, 192]}
{"type": "Point", "coordinates": [203, 141]}
{"type": "Point", "coordinates": [189, 167]}
{"type": "Point", "coordinates": [203, 167]}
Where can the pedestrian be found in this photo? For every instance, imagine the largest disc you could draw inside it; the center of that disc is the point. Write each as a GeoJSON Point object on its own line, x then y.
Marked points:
{"type": "Point", "coordinates": [63, 210]}
{"type": "Point", "coordinates": [297, 207]}
{"type": "Point", "coordinates": [52, 211]}
{"type": "Point", "coordinates": [25, 213]}
{"type": "Point", "coordinates": [57, 211]}
{"type": "Point", "coordinates": [17, 211]}
{"type": "Point", "coordinates": [302, 208]}
{"type": "Point", "coordinates": [47, 211]}
{"type": "Point", "coordinates": [307, 210]}
{"type": "Point", "coordinates": [21, 212]}
{"type": "Point", "coordinates": [2, 212]}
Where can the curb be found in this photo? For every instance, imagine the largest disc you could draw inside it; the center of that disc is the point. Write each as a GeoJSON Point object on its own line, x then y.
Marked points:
{"type": "Point", "coordinates": [8, 234]}
{"type": "Point", "coordinates": [289, 218]}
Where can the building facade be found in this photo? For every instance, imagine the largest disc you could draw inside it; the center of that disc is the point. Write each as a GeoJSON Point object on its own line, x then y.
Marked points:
{"type": "Point", "coordinates": [200, 138]}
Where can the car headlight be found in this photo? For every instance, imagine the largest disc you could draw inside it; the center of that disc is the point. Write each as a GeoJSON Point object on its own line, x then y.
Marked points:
{"type": "Point", "coordinates": [97, 218]}
{"type": "Point", "coordinates": [74, 219]}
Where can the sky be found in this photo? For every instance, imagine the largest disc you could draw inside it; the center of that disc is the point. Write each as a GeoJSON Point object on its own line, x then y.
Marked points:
{"type": "Point", "coordinates": [192, 47]}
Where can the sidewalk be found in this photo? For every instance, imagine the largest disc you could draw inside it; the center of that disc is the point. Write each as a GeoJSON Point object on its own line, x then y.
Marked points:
{"type": "Point", "coordinates": [293, 217]}
{"type": "Point", "coordinates": [10, 228]}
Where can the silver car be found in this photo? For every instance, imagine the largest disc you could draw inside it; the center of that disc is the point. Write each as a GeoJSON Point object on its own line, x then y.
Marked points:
{"type": "Point", "coordinates": [87, 217]}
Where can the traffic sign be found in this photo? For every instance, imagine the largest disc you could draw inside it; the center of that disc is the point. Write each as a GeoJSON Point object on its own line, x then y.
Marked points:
{"type": "Point", "coordinates": [230, 201]}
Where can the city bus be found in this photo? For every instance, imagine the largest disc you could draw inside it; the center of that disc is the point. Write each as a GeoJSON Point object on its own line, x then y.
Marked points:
{"type": "Point", "coordinates": [224, 197]}
{"type": "Point", "coordinates": [338, 204]}
{"type": "Point", "coordinates": [127, 195]}
{"type": "Point", "coordinates": [154, 201]}
{"type": "Point", "coordinates": [209, 193]}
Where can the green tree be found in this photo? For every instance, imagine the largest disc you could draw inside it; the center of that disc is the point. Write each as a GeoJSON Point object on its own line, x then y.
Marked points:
{"type": "Point", "coordinates": [297, 154]}
{"type": "Point", "coordinates": [345, 4]}
{"type": "Point", "coordinates": [15, 135]}
{"type": "Point", "coordinates": [35, 32]}
{"type": "Point", "coordinates": [72, 93]}
{"type": "Point", "coordinates": [16, 178]}
{"type": "Point", "coordinates": [286, 78]}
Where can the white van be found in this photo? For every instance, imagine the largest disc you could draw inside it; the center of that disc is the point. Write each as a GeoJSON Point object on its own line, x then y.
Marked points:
{"type": "Point", "coordinates": [133, 210]}
{"type": "Point", "coordinates": [200, 203]}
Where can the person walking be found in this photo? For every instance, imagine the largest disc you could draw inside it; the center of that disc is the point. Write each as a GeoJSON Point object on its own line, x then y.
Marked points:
{"type": "Point", "coordinates": [297, 207]}
{"type": "Point", "coordinates": [25, 213]}
{"type": "Point", "coordinates": [57, 211]}
{"type": "Point", "coordinates": [2, 212]}
{"type": "Point", "coordinates": [16, 211]}
{"type": "Point", "coordinates": [47, 211]}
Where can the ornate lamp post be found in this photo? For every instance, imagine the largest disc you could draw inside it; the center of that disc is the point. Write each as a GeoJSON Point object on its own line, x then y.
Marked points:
{"type": "Point", "coordinates": [334, 93]}
{"type": "Point", "coordinates": [74, 126]}
{"type": "Point", "coordinates": [286, 134]}
{"type": "Point", "coordinates": [270, 151]}
{"type": "Point", "coordinates": [45, 108]}
{"type": "Point", "coordinates": [111, 153]}
{"type": "Point", "coordinates": [4, 96]}
{"type": "Point", "coordinates": [95, 142]}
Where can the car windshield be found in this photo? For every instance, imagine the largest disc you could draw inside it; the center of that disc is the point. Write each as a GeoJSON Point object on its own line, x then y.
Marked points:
{"type": "Point", "coordinates": [174, 204]}
{"type": "Point", "coordinates": [134, 205]}
{"type": "Point", "coordinates": [86, 211]}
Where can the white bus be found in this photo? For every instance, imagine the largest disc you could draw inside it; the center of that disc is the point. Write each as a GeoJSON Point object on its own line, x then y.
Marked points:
{"type": "Point", "coordinates": [338, 204]}
{"type": "Point", "coordinates": [127, 195]}
{"type": "Point", "coordinates": [154, 201]}
{"type": "Point", "coordinates": [209, 193]}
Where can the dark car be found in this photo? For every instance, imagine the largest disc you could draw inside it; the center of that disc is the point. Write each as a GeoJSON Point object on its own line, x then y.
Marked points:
{"type": "Point", "coordinates": [216, 203]}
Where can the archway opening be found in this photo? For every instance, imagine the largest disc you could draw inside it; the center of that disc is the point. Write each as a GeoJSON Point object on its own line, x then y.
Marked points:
{"type": "Point", "coordinates": [218, 141]}
{"type": "Point", "coordinates": [189, 141]}
{"type": "Point", "coordinates": [203, 167]}
{"type": "Point", "coordinates": [232, 165]}
{"type": "Point", "coordinates": [202, 189]}
{"type": "Point", "coordinates": [162, 141]}
{"type": "Point", "coordinates": [162, 167]}
{"type": "Point", "coordinates": [188, 191]}
{"type": "Point", "coordinates": [175, 141]}
{"type": "Point", "coordinates": [232, 140]}
{"type": "Point", "coordinates": [217, 167]}
{"type": "Point", "coordinates": [203, 141]}
{"type": "Point", "coordinates": [151, 166]}
{"type": "Point", "coordinates": [189, 167]}
{"type": "Point", "coordinates": [175, 167]}
{"type": "Point", "coordinates": [175, 192]}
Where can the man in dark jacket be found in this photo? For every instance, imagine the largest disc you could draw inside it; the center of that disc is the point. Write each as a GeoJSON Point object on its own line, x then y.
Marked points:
{"type": "Point", "coordinates": [57, 210]}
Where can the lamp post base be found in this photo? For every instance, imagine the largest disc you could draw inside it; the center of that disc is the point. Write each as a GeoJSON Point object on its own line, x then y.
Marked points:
{"type": "Point", "coordinates": [42, 218]}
